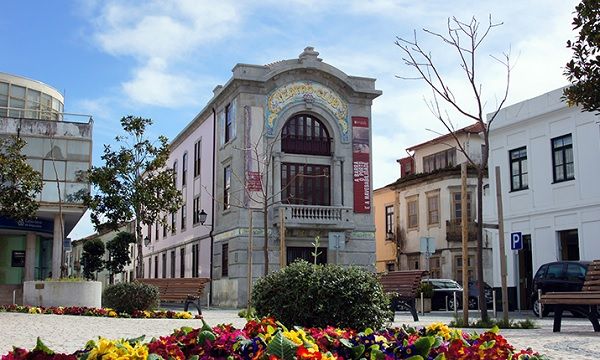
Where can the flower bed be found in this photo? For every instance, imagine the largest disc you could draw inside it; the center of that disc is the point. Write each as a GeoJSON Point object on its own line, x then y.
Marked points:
{"type": "Point", "coordinates": [267, 339]}
{"type": "Point", "coordinates": [88, 311]}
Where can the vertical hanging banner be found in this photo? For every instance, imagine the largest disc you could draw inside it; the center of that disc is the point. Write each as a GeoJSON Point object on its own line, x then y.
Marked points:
{"type": "Point", "coordinates": [361, 151]}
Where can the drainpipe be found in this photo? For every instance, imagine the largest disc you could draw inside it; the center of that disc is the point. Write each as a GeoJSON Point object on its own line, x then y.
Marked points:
{"type": "Point", "coordinates": [212, 223]}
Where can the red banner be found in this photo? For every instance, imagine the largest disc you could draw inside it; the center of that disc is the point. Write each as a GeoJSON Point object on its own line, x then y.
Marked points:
{"type": "Point", "coordinates": [361, 169]}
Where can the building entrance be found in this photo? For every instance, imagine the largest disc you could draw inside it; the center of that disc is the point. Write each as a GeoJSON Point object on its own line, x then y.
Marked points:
{"type": "Point", "coordinates": [568, 244]}
{"type": "Point", "coordinates": [525, 273]}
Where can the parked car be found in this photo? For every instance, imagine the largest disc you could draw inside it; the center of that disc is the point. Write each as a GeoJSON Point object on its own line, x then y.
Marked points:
{"type": "Point", "coordinates": [558, 276]}
{"type": "Point", "coordinates": [474, 294]}
{"type": "Point", "coordinates": [443, 290]}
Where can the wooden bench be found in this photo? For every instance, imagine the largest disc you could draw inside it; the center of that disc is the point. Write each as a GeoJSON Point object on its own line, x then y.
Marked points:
{"type": "Point", "coordinates": [587, 299]}
{"type": "Point", "coordinates": [405, 284]}
{"type": "Point", "coordinates": [180, 290]}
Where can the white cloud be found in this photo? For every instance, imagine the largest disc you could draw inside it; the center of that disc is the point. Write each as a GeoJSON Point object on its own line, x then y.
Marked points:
{"type": "Point", "coordinates": [153, 84]}
{"type": "Point", "coordinates": [158, 35]}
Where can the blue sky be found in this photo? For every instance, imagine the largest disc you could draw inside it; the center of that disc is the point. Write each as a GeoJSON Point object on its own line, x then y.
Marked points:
{"type": "Point", "coordinates": [161, 59]}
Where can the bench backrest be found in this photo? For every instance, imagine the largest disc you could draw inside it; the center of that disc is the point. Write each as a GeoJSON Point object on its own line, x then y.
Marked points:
{"type": "Point", "coordinates": [405, 282]}
{"type": "Point", "coordinates": [177, 288]}
{"type": "Point", "coordinates": [592, 277]}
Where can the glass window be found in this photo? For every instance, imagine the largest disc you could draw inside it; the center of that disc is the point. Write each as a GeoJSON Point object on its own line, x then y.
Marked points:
{"type": "Point", "coordinates": [182, 262]}
{"type": "Point", "coordinates": [74, 169]}
{"type": "Point", "coordinates": [413, 213]}
{"type": "Point", "coordinates": [229, 123]}
{"type": "Point", "coordinates": [389, 222]}
{"type": "Point", "coordinates": [184, 168]}
{"type": "Point", "coordinates": [172, 264]}
{"type": "Point", "coordinates": [433, 212]}
{"type": "Point", "coordinates": [457, 207]}
{"type": "Point", "coordinates": [46, 106]}
{"type": "Point", "coordinates": [183, 216]}
{"type": "Point", "coordinates": [305, 184]}
{"type": "Point", "coordinates": [439, 160]}
{"type": "Point", "coordinates": [562, 159]}
{"type": "Point", "coordinates": [227, 187]}
{"type": "Point", "coordinates": [305, 134]}
{"type": "Point", "coordinates": [54, 168]}
{"type": "Point", "coordinates": [164, 265]}
{"type": "Point", "coordinates": [175, 173]}
{"type": "Point", "coordinates": [197, 157]}
{"type": "Point", "coordinates": [225, 260]}
{"type": "Point", "coordinates": [173, 223]}
{"type": "Point", "coordinates": [555, 271]}
{"type": "Point", "coordinates": [541, 272]}
{"type": "Point", "coordinates": [518, 169]}
{"type": "Point", "coordinates": [196, 210]}
{"type": "Point", "coordinates": [3, 98]}
{"type": "Point", "coordinates": [575, 272]}
{"type": "Point", "coordinates": [33, 104]}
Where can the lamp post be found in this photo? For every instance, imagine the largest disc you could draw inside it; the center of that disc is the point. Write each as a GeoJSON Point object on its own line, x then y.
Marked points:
{"type": "Point", "coordinates": [146, 241]}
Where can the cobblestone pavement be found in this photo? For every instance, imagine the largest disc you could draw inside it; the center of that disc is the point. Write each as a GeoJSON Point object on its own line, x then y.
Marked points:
{"type": "Point", "coordinates": [69, 333]}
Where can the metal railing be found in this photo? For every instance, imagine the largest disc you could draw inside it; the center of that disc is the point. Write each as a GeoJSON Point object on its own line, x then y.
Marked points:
{"type": "Point", "coordinates": [454, 230]}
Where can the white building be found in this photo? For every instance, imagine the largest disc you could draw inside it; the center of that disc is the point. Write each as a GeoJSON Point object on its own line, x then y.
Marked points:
{"type": "Point", "coordinates": [425, 202]}
{"type": "Point", "coordinates": [548, 157]}
{"type": "Point", "coordinates": [58, 146]}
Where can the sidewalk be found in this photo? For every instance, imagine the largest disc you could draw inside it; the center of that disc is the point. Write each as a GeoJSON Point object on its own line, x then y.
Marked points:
{"type": "Point", "coordinates": [69, 333]}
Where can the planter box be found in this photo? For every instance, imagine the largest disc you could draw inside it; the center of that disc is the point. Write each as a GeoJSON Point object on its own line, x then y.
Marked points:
{"type": "Point", "coordinates": [62, 293]}
{"type": "Point", "coordinates": [426, 305]}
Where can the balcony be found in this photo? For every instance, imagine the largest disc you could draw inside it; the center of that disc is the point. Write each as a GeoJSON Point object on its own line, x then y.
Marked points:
{"type": "Point", "coordinates": [305, 216]}
{"type": "Point", "coordinates": [454, 230]}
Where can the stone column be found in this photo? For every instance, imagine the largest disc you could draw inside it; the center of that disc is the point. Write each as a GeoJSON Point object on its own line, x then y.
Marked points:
{"type": "Point", "coordinates": [30, 257]}
{"type": "Point", "coordinates": [276, 176]}
{"type": "Point", "coordinates": [57, 248]}
{"type": "Point", "coordinates": [336, 181]}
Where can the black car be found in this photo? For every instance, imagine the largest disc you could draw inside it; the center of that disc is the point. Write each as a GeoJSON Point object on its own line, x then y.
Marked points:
{"type": "Point", "coordinates": [443, 293]}
{"type": "Point", "coordinates": [474, 294]}
{"type": "Point", "coordinates": [558, 276]}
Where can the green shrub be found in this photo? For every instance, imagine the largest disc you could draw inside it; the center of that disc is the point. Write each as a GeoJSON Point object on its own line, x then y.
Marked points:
{"type": "Point", "coordinates": [127, 297]}
{"type": "Point", "coordinates": [500, 323]}
{"type": "Point", "coordinates": [319, 295]}
{"type": "Point", "coordinates": [425, 288]}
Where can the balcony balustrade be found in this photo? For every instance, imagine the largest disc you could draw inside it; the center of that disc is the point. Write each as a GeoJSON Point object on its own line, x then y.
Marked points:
{"type": "Point", "coordinates": [310, 215]}
{"type": "Point", "coordinates": [454, 230]}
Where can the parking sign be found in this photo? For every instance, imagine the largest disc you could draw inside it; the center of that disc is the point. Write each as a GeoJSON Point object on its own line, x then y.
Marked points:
{"type": "Point", "coordinates": [516, 241]}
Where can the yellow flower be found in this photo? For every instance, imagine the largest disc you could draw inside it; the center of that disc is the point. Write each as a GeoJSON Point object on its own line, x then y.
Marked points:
{"type": "Point", "coordinates": [140, 351]}
{"type": "Point", "coordinates": [439, 329]}
{"type": "Point", "coordinates": [112, 313]}
{"type": "Point", "coordinates": [294, 336]}
{"type": "Point", "coordinates": [183, 315]}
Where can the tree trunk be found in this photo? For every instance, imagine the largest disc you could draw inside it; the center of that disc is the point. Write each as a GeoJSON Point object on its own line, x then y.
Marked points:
{"type": "Point", "coordinates": [482, 301]}
{"type": "Point", "coordinates": [139, 268]}
{"type": "Point", "coordinates": [266, 238]}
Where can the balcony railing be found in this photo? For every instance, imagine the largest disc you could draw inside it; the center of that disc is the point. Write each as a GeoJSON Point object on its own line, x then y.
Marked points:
{"type": "Point", "coordinates": [454, 230]}
{"type": "Point", "coordinates": [299, 215]}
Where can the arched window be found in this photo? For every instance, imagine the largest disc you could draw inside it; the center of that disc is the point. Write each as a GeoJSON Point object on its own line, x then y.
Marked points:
{"type": "Point", "coordinates": [305, 134]}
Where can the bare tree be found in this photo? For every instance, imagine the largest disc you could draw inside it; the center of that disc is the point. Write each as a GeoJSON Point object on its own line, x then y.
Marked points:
{"type": "Point", "coordinates": [465, 39]}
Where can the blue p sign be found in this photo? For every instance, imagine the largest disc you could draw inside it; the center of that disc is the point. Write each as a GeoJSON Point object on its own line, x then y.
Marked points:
{"type": "Point", "coordinates": [516, 241]}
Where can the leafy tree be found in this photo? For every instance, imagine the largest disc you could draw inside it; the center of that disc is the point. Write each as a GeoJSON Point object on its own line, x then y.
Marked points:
{"type": "Point", "coordinates": [91, 258]}
{"type": "Point", "coordinates": [19, 182]}
{"type": "Point", "coordinates": [118, 253]}
{"type": "Point", "coordinates": [464, 39]}
{"type": "Point", "coordinates": [133, 183]}
{"type": "Point", "coordinates": [583, 71]}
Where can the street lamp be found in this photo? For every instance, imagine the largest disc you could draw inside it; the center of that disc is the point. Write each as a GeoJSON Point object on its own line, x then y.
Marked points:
{"type": "Point", "coordinates": [146, 240]}
{"type": "Point", "coordinates": [202, 215]}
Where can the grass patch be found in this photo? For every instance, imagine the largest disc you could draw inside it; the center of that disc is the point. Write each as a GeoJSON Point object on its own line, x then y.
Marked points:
{"type": "Point", "coordinates": [511, 324]}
